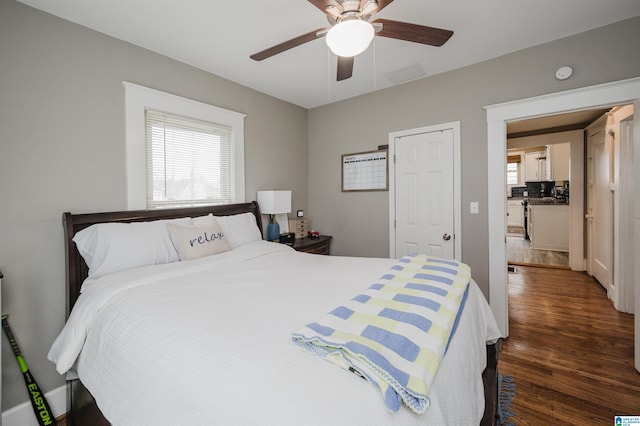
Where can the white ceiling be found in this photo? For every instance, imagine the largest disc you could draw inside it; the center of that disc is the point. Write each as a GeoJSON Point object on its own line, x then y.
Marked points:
{"type": "Point", "coordinates": [218, 36]}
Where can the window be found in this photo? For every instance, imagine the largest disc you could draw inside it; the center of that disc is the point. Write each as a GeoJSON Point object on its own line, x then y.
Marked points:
{"type": "Point", "coordinates": [512, 173]}
{"type": "Point", "coordinates": [180, 151]}
{"type": "Point", "coordinates": [187, 161]}
{"type": "Point", "coordinates": [513, 169]}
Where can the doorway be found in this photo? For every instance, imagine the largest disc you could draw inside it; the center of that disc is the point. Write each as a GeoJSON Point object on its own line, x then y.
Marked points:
{"type": "Point", "coordinates": [548, 150]}
{"type": "Point", "coordinates": [538, 201]}
{"type": "Point", "coordinates": [625, 91]}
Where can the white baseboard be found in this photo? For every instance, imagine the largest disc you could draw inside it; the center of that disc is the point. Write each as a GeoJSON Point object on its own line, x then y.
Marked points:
{"type": "Point", "coordinates": [23, 415]}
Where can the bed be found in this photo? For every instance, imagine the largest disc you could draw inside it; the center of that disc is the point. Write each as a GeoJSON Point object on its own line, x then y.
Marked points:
{"type": "Point", "coordinates": [208, 341]}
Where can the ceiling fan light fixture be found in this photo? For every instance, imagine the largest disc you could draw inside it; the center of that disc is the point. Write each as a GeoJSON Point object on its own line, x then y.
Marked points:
{"type": "Point", "coordinates": [350, 38]}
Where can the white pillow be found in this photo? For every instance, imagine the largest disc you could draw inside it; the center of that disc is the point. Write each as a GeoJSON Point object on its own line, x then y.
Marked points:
{"type": "Point", "coordinates": [240, 228]}
{"type": "Point", "coordinates": [198, 220]}
{"type": "Point", "coordinates": [196, 241]}
{"type": "Point", "coordinates": [112, 247]}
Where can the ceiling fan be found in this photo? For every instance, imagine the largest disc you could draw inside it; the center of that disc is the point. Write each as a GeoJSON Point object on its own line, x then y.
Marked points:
{"type": "Point", "coordinates": [351, 32]}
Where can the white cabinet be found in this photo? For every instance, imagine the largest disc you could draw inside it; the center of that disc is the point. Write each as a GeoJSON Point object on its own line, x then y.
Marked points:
{"type": "Point", "coordinates": [531, 167]}
{"type": "Point", "coordinates": [537, 165]}
{"type": "Point", "coordinates": [549, 227]}
{"type": "Point", "coordinates": [560, 155]}
{"type": "Point", "coordinates": [515, 213]}
{"type": "Point", "coordinates": [550, 164]}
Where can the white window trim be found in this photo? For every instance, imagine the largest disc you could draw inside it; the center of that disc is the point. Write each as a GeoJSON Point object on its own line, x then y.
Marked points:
{"type": "Point", "coordinates": [137, 100]}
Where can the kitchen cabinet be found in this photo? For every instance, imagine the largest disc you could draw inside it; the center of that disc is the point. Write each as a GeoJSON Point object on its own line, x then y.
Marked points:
{"type": "Point", "coordinates": [549, 227]}
{"type": "Point", "coordinates": [531, 167]}
{"type": "Point", "coordinates": [537, 165]}
{"type": "Point", "coordinates": [560, 154]}
{"type": "Point", "coordinates": [515, 213]}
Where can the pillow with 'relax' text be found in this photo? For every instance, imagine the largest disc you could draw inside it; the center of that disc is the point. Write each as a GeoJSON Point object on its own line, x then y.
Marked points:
{"type": "Point", "coordinates": [199, 240]}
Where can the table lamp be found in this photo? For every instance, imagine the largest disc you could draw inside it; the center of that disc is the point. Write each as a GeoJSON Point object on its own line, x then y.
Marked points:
{"type": "Point", "coordinates": [273, 203]}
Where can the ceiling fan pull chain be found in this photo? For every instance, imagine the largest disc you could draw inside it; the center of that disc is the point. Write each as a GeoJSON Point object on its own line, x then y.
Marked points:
{"type": "Point", "coordinates": [375, 66]}
{"type": "Point", "coordinates": [329, 73]}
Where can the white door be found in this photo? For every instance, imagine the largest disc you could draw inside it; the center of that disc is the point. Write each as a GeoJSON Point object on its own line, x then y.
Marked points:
{"type": "Point", "coordinates": [600, 205]}
{"type": "Point", "coordinates": [424, 194]}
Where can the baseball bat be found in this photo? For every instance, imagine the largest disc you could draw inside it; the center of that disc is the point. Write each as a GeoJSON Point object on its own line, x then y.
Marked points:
{"type": "Point", "coordinates": [36, 396]}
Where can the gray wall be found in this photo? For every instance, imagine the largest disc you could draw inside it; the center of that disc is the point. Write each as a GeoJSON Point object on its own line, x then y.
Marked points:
{"type": "Point", "coordinates": [62, 149]}
{"type": "Point", "coordinates": [359, 221]}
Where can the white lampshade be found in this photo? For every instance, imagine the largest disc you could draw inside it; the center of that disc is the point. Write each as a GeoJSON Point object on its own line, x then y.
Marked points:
{"type": "Point", "coordinates": [350, 38]}
{"type": "Point", "coordinates": [274, 202]}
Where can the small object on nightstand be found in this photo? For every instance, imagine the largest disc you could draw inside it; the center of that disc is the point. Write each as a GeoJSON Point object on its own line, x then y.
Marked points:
{"type": "Point", "coordinates": [288, 238]}
{"type": "Point", "coordinates": [320, 245]}
{"type": "Point", "coordinates": [299, 227]}
{"type": "Point", "coordinates": [314, 234]}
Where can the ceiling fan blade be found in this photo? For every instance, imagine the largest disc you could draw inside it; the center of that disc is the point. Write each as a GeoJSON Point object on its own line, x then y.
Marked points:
{"type": "Point", "coordinates": [412, 32]}
{"type": "Point", "coordinates": [345, 68]}
{"type": "Point", "coordinates": [289, 44]}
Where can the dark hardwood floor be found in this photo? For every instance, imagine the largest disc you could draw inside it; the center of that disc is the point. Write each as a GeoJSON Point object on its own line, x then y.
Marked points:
{"type": "Point", "coordinates": [570, 351]}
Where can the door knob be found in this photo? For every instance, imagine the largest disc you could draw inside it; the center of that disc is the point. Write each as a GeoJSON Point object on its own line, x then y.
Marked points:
{"type": "Point", "coordinates": [446, 237]}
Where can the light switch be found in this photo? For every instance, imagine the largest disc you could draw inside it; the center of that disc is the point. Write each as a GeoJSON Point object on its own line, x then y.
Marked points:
{"type": "Point", "coordinates": [474, 207]}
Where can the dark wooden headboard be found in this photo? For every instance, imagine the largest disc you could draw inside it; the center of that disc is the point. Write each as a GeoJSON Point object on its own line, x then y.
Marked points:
{"type": "Point", "coordinates": [77, 269]}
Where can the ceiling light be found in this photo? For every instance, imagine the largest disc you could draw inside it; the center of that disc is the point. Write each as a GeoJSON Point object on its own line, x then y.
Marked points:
{"type": "Point", "coordinates": [350, 38]}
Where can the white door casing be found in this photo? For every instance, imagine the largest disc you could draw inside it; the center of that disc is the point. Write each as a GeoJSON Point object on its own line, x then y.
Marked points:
{"type": "Point", "coordinates": [424, 191]}
{"type": "Point", "coordinates": [624, 259]}
{"type": "Point", "coordinates": [608, 94]}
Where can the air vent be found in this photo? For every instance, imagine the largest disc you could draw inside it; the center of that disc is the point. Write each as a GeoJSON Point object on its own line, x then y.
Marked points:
{"type": "Point", "coordinates": [412, 72]}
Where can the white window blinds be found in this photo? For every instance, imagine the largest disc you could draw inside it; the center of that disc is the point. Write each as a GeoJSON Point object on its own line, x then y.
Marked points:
{"type": "Point", "coordinates": [512, 173]}
{"type": "Point", "coordinates": [188, 161]}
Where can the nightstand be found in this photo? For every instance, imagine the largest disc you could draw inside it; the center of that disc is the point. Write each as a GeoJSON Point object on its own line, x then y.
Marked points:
{"type": "Point", "coordinates": [320, 245]}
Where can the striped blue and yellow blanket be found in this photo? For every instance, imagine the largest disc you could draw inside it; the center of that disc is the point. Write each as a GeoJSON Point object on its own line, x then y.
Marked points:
{"type": "Point", "coordinates": [396, 332]}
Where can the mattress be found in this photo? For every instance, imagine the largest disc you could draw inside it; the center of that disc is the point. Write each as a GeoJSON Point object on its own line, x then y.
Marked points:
{"type": "Point", "coordinates": [208, 342]}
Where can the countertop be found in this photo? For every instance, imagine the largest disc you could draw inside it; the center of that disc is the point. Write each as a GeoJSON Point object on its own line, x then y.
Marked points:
{"type": "Point", "coordinates": [547, 201]}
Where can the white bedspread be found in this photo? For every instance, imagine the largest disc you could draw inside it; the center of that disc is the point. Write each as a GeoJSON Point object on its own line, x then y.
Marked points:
{"type": "Point", "coordinates": [207, 342]}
